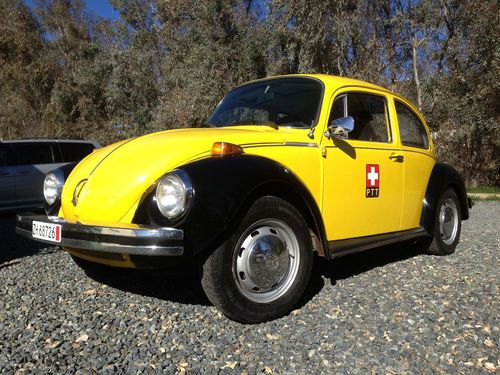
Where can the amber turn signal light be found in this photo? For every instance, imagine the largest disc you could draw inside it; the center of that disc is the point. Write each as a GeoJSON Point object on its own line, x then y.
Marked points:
{"type": "Point", "coordinates": [221, 149]}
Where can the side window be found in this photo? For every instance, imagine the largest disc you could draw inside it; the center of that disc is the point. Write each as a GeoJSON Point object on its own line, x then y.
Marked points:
{"type": "Point", "coordinates": [7, 157]}
{"type": "Point", "coordinates": [370, 117]}
{"type": "Point", "coordinates": [369, 113]}
{"type": "Point", "coordinates": [411, 129]}
{"type": "Point", "coordinates": [75, 151]}
{"type": "Point", "coordinates": [33, 153]}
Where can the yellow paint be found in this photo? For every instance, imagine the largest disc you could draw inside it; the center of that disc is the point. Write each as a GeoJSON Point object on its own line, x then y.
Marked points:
{"type": "Point", "coordinates": [333, 170]}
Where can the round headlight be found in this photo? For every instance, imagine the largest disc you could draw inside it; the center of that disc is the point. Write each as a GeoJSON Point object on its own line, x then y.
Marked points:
{"type": "Point", "coordinates": [52, 186]}
{"type": "Point", "coordinates": [173, 194]}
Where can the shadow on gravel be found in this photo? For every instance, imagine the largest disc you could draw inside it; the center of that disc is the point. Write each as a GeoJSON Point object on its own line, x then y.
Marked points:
{"type": "Point", "coordinates": [13, 246]}
{"type": "Point", "coordinates": [355, 264]}
{"type": "Point", "coordinates": [183, 286]}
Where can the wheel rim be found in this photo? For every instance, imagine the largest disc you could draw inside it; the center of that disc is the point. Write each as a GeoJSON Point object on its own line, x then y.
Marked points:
{"type": "Point", "coordinates": [266, 261]}
{"type": "Point", "coordinates": [448, 221]}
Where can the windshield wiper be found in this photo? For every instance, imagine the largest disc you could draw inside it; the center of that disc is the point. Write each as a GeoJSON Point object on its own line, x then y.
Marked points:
{"type": "Point", "coordinates": [255, 122]}
{"type": "Point", "coordinates": [295, 124]}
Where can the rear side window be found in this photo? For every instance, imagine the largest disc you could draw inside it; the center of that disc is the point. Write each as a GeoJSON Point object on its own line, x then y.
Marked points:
{"type": "Point", "coordinates": [33, 153]}
{"type": "Point", "coordinates": [411, 129]}
{"type": "Point", "coordinates": [75, 151]}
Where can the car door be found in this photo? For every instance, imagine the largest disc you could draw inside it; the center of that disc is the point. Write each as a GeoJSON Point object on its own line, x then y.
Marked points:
{"type": "Point", "coordinates": [363, 173]}
{"type": "Point", "coordinates": [418, 162]}
{"type": "Point", "coordinates": [7, 178]}
{"type": "Point", "coordinates": [34, 160]}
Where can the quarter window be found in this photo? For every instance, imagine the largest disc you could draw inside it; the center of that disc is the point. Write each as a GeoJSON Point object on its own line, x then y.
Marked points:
{"type": "Point", "coordinates": [33, 153]}
{"type": "Point", "coordinates": [75, 151]}
{"type": "Point", "coordinates": [369, 113]}
{"type": "Point", "coordinates": [411, 129]}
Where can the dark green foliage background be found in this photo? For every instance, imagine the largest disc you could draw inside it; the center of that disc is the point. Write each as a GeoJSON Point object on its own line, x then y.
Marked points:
{"type": "Point", "coordinates": [164, 64]}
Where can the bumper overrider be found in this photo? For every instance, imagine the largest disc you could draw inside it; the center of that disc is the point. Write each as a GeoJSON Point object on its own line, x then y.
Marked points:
{"type": "Point", "coordinates": [128, 239]}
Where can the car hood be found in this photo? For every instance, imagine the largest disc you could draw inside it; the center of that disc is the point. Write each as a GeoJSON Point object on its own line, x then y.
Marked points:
{"type": "Point", "coordinates": [112, 180]}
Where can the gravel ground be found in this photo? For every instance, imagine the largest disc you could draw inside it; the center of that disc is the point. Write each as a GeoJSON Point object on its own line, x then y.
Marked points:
{"type": "Point", "coordinates": [385, 311]}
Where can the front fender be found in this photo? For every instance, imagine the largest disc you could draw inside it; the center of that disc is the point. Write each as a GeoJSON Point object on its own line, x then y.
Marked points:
{"type": "Point", "coordinates": [225, 188]}
{"type": "Point", "coordinates": [442, 177]}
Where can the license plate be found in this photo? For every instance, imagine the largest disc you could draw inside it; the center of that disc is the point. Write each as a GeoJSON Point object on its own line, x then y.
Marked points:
{"type": "Point", "coordinates": [46, 231]}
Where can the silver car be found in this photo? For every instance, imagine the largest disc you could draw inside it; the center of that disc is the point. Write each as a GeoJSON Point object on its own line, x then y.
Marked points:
{"type": "Point", "coordinates": [24, 164]}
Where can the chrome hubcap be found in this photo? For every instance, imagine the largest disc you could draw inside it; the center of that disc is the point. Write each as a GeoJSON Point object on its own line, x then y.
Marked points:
{"type": "Point", "coordinates": [266, 262]}
{"type": "Point", "coordinates": [448, 221]}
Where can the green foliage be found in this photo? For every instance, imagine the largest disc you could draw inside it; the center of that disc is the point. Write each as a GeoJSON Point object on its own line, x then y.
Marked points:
{"type": "Point", "coordinates": [484, 190]}
{"type": "Point", "coordinates": [166, 63]}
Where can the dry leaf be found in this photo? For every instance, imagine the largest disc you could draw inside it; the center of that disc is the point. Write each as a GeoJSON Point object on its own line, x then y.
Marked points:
{"type": "Point", "coordinates": [82, 338]}
{"type": "Point", "coordinates": [386, 336]}
{"type": "Point", "coordinates": [273, 337]}
{"type": "Point", "coordinates": [489, 343]}
{"type": "Point", "coordinates": [230, 364]}
{"type": "Point", "coordinates": [490, 366]}
{"type": "Point", "coordinates": [55, 344]}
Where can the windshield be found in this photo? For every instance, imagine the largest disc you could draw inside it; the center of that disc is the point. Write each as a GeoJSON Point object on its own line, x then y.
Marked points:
{"type": "Point", "coordinates": [291, 101]}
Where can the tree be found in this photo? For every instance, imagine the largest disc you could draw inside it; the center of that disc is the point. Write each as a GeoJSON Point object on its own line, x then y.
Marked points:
{"type": "Point", "coordinates": [25, 72]}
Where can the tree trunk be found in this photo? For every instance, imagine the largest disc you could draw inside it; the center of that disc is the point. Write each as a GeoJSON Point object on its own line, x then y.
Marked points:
{"type": "Point", "coordinates": [416, 79]}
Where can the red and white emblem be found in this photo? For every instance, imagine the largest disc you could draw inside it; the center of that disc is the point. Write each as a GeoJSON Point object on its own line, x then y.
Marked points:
{"type": "Point", "coordinates": [372, 180]}
{"type": "Point", "coordinates": [372, 175]}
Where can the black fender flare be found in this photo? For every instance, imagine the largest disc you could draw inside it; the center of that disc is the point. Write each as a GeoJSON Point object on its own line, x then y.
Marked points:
{"type": "Point", "coordinates": [225, 188]}
{"type": "Point", "coordinates": [443, 176]}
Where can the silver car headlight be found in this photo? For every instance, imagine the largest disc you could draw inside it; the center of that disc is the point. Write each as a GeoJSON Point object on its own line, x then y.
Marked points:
{"type": "Point", "coordinates": [173, 194]}
{"type": "Point", "coordinates": [52, 186]}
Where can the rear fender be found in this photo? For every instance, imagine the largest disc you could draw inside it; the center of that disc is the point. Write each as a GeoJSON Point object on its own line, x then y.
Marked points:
{"type": "Point", "coordinates": [442, 177]}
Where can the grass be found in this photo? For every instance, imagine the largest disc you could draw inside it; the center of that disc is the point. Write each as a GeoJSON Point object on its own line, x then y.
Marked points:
{"type": "Point", "coordinates": [484, 189]}
{"type": "Point", "coordinates": [496, 199]}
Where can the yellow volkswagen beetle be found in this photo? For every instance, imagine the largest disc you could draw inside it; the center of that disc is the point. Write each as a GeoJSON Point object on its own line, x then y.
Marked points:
{"type": "Point", "coordinates": [285, 167]}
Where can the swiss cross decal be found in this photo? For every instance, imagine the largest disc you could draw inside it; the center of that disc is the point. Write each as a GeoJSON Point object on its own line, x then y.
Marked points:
{"type": "Point", "coordinates": [372, 180]}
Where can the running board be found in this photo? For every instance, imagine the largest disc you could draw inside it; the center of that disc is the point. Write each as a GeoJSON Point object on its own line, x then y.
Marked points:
{"type": "Point", "coordinates": [353, 245]}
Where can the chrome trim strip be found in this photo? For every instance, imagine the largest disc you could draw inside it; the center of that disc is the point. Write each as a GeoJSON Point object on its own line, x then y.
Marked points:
{"type": "Point", "coordinates": [293, 144]}
{"type": "Point", "coordinates": [107, 239]}
{"type": "Point", "coordinates": [77, 192]}
{"type": "Point", "coordinates": [301, 144]}
{"type": "Point", "coordinates": [382, 149]}
{"type": "Point", "coordinates": [395, 149]}
{"type": "Point", "coordinates": [109, 153]}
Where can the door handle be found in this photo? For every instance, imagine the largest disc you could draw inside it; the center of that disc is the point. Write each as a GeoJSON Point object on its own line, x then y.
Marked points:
{"type": "Point", "coordinates": [24, 172]}
{"type": "Point", "coordinates": [398, 158]}
{"type": "Point", "coordinates": [4, 173]}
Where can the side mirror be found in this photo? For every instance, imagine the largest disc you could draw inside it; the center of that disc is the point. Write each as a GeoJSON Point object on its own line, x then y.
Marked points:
{"type": "Point", "coordinates": [340, 127]}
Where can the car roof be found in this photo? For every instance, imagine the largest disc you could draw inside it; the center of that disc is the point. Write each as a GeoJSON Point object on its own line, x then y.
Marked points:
{"type": "Point", "coordinates": [328, 79]}
{"type": "Point", "coordinates": [344, 81]}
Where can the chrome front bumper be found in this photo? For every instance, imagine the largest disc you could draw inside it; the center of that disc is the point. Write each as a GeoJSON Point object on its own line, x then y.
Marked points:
{"type": "Point", "coordinates": [129, 239]}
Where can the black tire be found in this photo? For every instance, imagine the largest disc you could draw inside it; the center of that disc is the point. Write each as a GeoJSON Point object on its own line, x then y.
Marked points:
{"type": "Point", "coordinates": [447, 226]}
{"type": "Point", "coordinates": [280, 270]}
